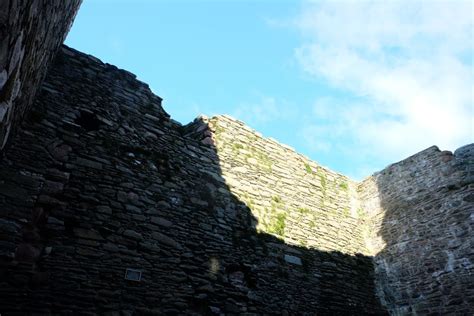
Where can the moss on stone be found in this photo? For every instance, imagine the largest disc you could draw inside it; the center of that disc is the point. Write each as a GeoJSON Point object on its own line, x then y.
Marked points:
{"type": "Point", "coordinates": [346, 212]}
{"type": "Point", "coordinates": [303, 210]}
{"type": "Point", "coordinates": [344, 186]}
{"type": "Point", "coordinates": [278, 225]}
{"type": "Point", "coordinates": [361, 213]}
{"type": "Point", "coordinates": [323, 180]}
{"type": "Point", "coordinates": [277, 199]}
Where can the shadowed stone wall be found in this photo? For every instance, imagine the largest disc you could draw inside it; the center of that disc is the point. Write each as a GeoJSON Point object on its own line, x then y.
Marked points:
{"type": "Point", "coordinates": [421, 219]}
{"type": "Point", "coordinates": [217, 219]}
{"type": "Point", "coordinates": [30, 34]}
{"type": "Point", "coordinates": [100, 180]}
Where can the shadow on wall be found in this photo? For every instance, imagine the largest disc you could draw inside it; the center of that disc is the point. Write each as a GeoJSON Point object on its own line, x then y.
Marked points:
{"type": "Point", "coordinates": [426, 266]}
{"type": "Point", "coordinates": [99, 179]}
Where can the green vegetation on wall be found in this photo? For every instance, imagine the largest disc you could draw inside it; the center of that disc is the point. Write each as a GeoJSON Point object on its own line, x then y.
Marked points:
{"type": "Point", "coordinates": [344, 186]}
{"type": "Point", "coordinates": [278, 224]}
{"type": "Point", "coordinates": [361, 213]}
{"type": "Point", "coordinates": [303, 210]}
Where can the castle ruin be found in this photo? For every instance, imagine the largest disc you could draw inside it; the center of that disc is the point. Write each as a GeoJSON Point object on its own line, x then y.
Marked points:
{"type": "Point", "coordinates": [108, 206]}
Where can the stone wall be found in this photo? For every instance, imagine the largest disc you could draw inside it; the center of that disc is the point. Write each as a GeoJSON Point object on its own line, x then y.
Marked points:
{"type": "Point", "coordinates": [421, 215]}
{"type": "Point", "coordinates": [291, 197]}
{"type": "Point", "coordinates": [217, 219]}
{"type": "Point", "coordinates": [30, 34]}
{"type": "Point", "coordinates": [99, 180]}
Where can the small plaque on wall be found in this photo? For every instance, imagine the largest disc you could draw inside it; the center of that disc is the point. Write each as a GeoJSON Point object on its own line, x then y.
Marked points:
{"type": "Point", "coordinates": [133, 275]}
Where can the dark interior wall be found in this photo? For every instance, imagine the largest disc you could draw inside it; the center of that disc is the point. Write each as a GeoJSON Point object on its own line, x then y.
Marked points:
{"type": "Point", "coordinates": [422, 216]}
{"type": "Point", "coordinates": [99, 179]}
{"type": "Point", "coordinates": [31, 32]}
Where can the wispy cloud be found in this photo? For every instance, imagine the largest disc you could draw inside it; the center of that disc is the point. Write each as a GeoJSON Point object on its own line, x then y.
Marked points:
{"type": "Point", "coordinates": [407, 66]}
{"type": "Point", "coordinates": [264, 110]}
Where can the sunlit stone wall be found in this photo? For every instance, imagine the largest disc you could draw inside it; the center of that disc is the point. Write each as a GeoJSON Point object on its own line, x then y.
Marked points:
{"type": "Point", "coordinates": [290, 196]}
{"type": "Point", "coordinates": [421, 217]}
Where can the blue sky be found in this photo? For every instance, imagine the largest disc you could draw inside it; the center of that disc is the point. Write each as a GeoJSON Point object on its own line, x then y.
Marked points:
{"type": "Point", "coordinates": [353, 85]}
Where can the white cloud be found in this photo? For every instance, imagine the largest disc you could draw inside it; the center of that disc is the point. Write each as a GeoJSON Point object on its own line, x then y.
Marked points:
{"type": "Point", "coordinates": [408, 65]}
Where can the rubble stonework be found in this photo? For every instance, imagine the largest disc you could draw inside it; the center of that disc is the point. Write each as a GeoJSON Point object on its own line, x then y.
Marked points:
{"type": "Point", "coordinates": [215, 218]}
{"type": "Point", "coordinates": [290, 196]}
{"type": "Point", "coordinates": [30, 34]}
{"type": "Point", "coordinates": [421, 219]}
{"type": "Point", "coordinates": [101, 180]}
{"type": "Point", "coordinates": [108, 206]}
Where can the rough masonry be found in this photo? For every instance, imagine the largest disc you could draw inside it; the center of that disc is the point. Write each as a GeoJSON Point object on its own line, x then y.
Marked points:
{"type": "Point", "coordinates": [108, 206]}
{"type": "Point", "coordinates": [420, 213]}
{"type": "Point", "coordinates": [100, 180]}
{"type": "Point", "coordinates": [30, 33]}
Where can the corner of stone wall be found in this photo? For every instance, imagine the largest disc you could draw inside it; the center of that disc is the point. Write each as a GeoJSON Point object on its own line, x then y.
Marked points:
{"type": "Point", "coordinates": [419, 213]}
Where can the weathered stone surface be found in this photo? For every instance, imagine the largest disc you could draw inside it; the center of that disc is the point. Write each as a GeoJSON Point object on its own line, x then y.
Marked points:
{"type": "Point", "coordinates": [132, 234]}
{"type": "Point", "coordinates": [238, 225]}
{"type": "Point", "coordinates": [111, 199]}
{"type": "Point", "coordinates": [293, 259]}
{"type": "Point", "coordinates": [291, 197]}
{"type": "Point", "coordinates": [420, 227]}
{"type": "Point", "coordinates": [30, 35]}
{"type": "Point", "coordinates": [160, 221]}
{"type": "Point", "coordinates": [165, 240]}
{"type": "Point", "coordinates": [87, 233]}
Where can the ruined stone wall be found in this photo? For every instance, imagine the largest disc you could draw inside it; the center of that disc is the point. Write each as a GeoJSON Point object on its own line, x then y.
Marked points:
{"type": "Point", "coordinates": [30, 34]}
{"type": "Point", "coordinates": [421, 215]}
{"type": "Point", "coordinates": [291, 197]}
{"type": "Point", "coordinates": [100, 180]}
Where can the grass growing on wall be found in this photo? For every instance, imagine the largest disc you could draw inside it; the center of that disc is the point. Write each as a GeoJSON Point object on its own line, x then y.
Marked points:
{"type": "Point", "coordinates": [303, 210]}
{"type": "Point", "coordinates": [264, 161]}
{"type": "Point", "coordinates": [344, 186]}
{"type": "Point", "coordinates": [322, 179]}
{"type": "Point", "coordinates": [250, 203]}
{"type": "Point", "coordinates": [237, 146]}
{"type": "Point", "coordinates": [276, 217]}
{"type": "Point", "coordinates": [278, 225]}
{"type": "Point", "coordinates": [277, 199]}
